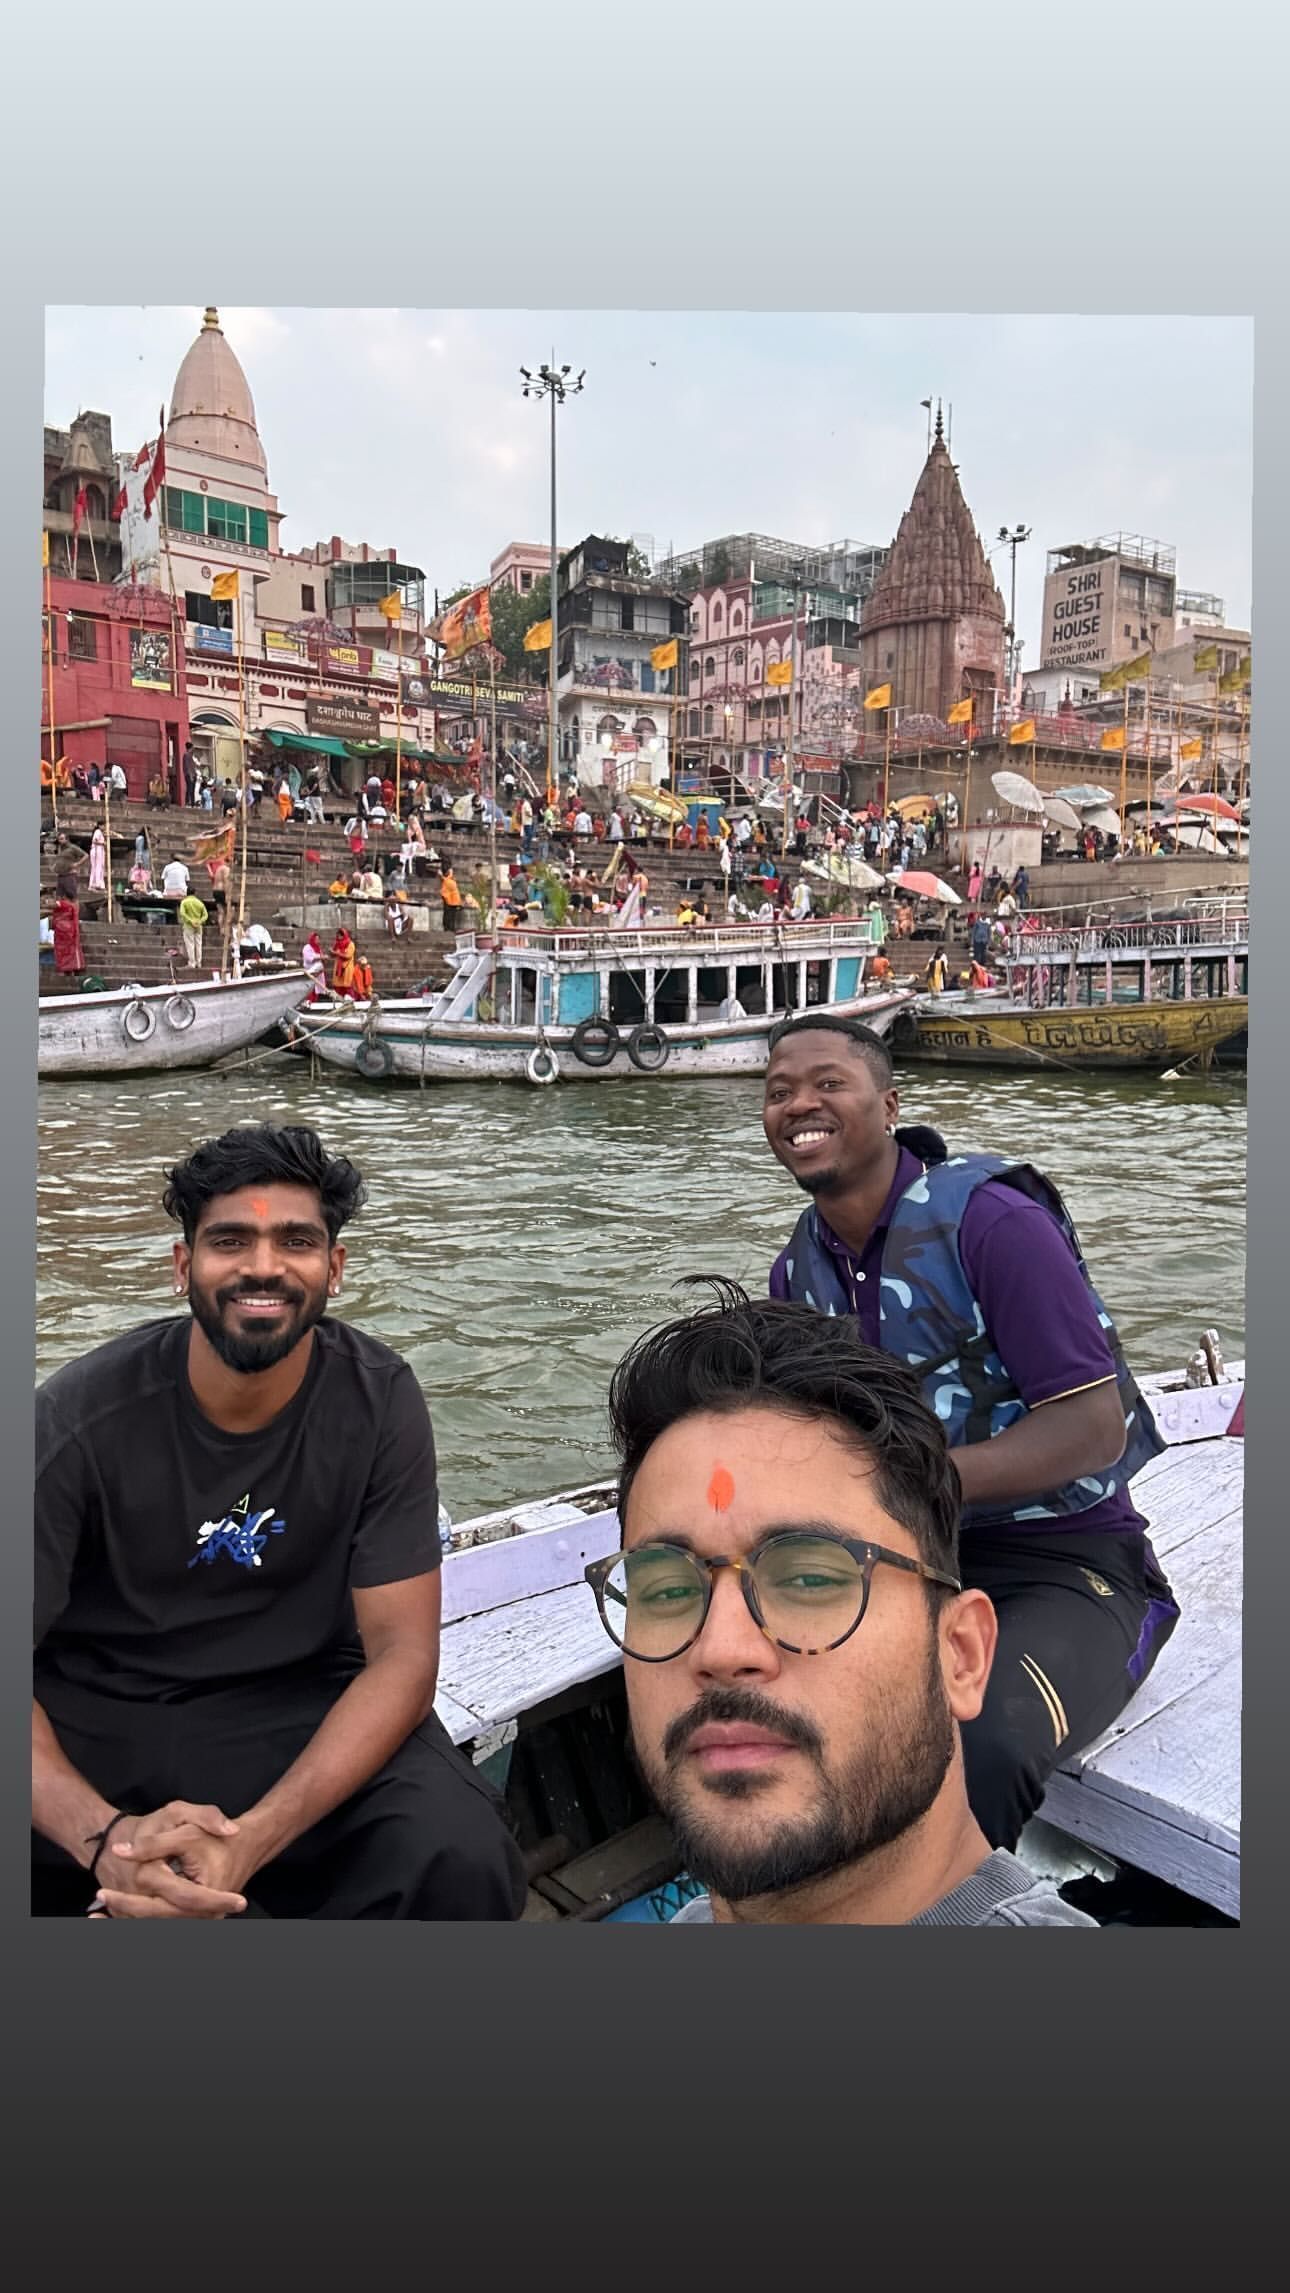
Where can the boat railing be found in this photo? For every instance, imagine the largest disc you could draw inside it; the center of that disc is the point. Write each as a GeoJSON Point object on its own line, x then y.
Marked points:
{"type": "Point", "coordinates": [649, 941]}
{"type": "Point", "coordinates": [1111, 939]}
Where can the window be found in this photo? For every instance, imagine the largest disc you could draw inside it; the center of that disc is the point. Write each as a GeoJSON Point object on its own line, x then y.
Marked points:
{"type": "Point", "coordinates": [716, 611]}
{"type": "Point", "coordinates": [709, 667]}
{"type": "Point", "coordinates": [737, 618]}
{"type": "Point", "coordinates": [185, 513]}
{"type": "Point", "coordinates": [82, 638]}
{"type": "Point", "coordinates": [738, 656]}
{"type": "Point", "coordinates": [208, 612]}
{"type": "Point", "coordinates": [629, 613]}
{"type": "Point", "coordinates": [695, 615]}
{"type": "Point", "coordinates": [649, 679]}
{"type": "Point", "coordinates": [891, 660]}
{"type": "Point", "coordinates": [694, 723]}
{"type": "Point", "coordinates": [707, 720]}
{"type": "Point", "coordinates": [307, 598]}
{"type": "Point", "coordinates": [259, 524]}
{"type": "Point", "coordinates": [694, 672]}
{"type": "Point", "coordinates": [526, 583]}
{"type": "Point", "coordinates": [226, 521]}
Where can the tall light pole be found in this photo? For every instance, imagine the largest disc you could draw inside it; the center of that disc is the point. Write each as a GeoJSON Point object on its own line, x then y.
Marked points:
{"type": "Point", "coordinates": [1012, 541]}
{"type": "Point", "coordinates": [552, 382]}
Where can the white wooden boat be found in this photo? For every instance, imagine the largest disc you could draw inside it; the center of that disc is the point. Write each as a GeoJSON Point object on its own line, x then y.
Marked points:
{"type": "Point", "coordinates": [591, 1006]}
{"type": "Point", "coordinates": [138, 1030]}
{"type": "Point", "coordinates": [524, 1657]}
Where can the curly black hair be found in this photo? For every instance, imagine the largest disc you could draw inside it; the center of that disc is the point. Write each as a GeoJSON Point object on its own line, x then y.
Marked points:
{"type": "Point", "coordinates": [263, 1154]}
{"type": "Point", "coordinates": [766, 1352]}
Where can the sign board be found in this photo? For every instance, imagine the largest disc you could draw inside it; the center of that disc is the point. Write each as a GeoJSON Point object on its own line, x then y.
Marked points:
{"type": "Point", "coordinates": [211, 640]}
{"type": "Point", "coordinates": [1079, 616]}
{"type": "Point", "coordinates": [282, 648]}
{"type": "Point", "coordinates": [459, 694]}
{"type": "Point", "coordinates": [339, 719]}
{"type": "Point", "coordinates": [150, 659]}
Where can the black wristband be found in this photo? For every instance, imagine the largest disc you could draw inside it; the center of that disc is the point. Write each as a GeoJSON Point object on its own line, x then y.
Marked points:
{"type": "Point", "coordinates": [102, 1837]}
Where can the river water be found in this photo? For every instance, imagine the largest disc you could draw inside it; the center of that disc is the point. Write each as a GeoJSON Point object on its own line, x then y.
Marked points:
{"type": "Point", "coordinates": [516, 1240]}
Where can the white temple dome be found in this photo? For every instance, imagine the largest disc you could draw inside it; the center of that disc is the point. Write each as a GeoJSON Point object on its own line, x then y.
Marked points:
{"type": "Point", "coordinates": [211, 408]}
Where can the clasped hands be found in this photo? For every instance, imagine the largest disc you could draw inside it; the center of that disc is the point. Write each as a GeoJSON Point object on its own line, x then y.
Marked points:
{"type": "Point", "coordinates": [183, 1862]}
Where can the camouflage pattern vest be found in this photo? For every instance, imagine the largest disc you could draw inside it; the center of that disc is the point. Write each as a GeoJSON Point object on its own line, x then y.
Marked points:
{"type": "Point", "coordinates": [930, 1318]}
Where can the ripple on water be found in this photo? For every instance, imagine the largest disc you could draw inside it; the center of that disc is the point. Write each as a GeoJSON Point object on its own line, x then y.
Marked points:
{"type": "Point", "coordinates": [516, 1241]}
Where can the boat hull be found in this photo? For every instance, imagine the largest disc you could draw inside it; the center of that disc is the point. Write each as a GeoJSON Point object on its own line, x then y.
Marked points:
{"type": "Point", "coordinates": [418, 1051]}
{"type": "Point", "coordinates": [1107, 1036]}
{"type": "Point", "coordinates": [89, 1035]}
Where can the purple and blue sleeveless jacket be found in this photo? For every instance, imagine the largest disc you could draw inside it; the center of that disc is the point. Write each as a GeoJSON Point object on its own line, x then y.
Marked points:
{"type": "Point", "coordinates": [930, 1318]}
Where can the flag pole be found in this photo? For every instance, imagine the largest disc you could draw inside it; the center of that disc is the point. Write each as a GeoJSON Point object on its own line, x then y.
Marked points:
{"type": "Point", "coordinates": [492, 796]}
{"type": "Point", "coordinates": [886, 760]}
{"type": "Point", "coordinates": [398, 720]}
{"type": "Point", "coordinates": [107, 842]}
{"type": "Point", "coordinates": [967, 797]}
{"type": "Point", "coordinates": [1124, 765]}
{"type": "Point", "coordinates": [53, 744]}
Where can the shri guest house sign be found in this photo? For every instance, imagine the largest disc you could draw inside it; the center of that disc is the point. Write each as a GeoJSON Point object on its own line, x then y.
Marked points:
{"type": "Point", "coordinates": [1079, 606]}
{"type": "Point", "coordinates": [339, 719]}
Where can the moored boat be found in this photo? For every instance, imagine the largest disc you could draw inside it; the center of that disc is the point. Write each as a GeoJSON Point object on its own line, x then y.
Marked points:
{"type": "Point", "coordinates": [588, 1006]}
{"type": "Point", "coordinates": [139, 1030]}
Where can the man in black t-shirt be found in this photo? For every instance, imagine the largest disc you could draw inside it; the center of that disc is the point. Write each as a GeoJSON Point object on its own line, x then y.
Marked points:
{"type": "Point", "coordinates": [238, 1593]}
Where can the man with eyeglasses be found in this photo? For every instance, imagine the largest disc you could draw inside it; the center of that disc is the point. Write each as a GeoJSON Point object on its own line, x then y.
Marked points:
{"type": "Point", "coordinates": [798, 1652]}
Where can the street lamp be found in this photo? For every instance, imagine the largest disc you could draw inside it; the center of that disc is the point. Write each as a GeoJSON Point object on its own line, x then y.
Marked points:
{"type": "Point", "coordinates": [1012, 541]}
{"type": "Point", "coordinates": [552, 382]}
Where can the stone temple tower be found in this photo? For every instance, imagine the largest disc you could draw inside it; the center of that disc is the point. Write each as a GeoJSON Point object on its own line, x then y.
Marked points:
{"type": "Point", "coordinates": [933, 624]}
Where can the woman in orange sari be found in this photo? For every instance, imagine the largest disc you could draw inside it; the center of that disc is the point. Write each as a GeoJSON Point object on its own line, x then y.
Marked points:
{"type": "Point", "coordinates": [343, 953]}
{"type": "Point", "coordinates": [285, 804]}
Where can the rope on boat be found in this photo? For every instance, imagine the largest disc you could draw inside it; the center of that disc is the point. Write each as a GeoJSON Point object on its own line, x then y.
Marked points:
{"type": "Point", "coordinates": [248, 1059]}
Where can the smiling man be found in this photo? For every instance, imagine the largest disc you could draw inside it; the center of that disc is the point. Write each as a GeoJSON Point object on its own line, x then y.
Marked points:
{"type": "Point", "coordinates": [238, 1592]}
{"type": "Point", "coordinates": [968, 1267]}
{"type": "Point", "coordinates": [799, 1656]}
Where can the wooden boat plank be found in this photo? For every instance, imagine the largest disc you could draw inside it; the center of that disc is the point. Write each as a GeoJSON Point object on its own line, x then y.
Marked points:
{"type": "Point", "coordinates": [1206, 1484]}
{"type": "Point", "coordinates": [494, 1575]}
{"type": "Point", "coordinates": [1183, 1766]}
{"type": "Point", "coordinates": [460, 1723]}
{"type": "Point", "coordinates": [1131, 1835]}
{"type": "Point", "coordinates": [503, 1662]}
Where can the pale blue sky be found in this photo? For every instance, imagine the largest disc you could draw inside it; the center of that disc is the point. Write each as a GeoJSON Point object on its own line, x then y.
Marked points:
{"type": "Point", "coordinates": [406, 428]}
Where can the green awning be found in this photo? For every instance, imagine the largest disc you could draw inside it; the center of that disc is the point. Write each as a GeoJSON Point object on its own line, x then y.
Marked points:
{"type": "Point", "coordinates": [318, 742]}
{"type": "Point", "coordinates": [375, 748]}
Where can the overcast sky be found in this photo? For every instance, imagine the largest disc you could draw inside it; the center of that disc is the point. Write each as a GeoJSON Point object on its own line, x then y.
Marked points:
{"type": "Point", "coordinates": [407, 429]}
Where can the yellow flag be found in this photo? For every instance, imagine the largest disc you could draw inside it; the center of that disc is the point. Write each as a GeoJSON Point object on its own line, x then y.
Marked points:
{"type": "Point", "coordinates": [961, 713]}
{"type": "Point", "coordinates": [1023, 732]}
{"type": "Point", "coordinates": [1113, 737]}
{"type": "Point", "coordinates": [1190, 750]}
{"type": "Point", "coordinates": [1236, 677]}
{"type": "Point", "coordinates": [1138, 671]}
{"type": "Point", "coordinates": [392, 606]}
{"type": "Point", "coordinates": [1205, 659]}
{"type": "Point", "coordinates": [538, 638]}
{"type": "Point", "coordinates": [879, 698]}
{"type": "Point", "coordinates": [224, 585]}
{"type": "Point", "coordinates": [779, 673]}
{"type": "Point", "coordinates": [44, 549]}
{"type": "Point", "coordinates": [663, 656]}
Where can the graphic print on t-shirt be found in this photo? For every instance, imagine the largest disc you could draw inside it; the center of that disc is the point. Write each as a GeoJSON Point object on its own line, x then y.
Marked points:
{"type": "Point", "coordinates": [242, 1534]}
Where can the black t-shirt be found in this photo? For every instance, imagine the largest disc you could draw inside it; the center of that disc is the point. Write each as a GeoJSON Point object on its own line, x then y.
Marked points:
{"type": "Point", "coordinates": [173, 1558]}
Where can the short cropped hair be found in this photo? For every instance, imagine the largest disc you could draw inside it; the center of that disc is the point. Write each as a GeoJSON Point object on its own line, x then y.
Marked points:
{"type": "Point", "coordinates": [263, 1154]}
{"type": "Point", "coordinates": [745, 1353]}
{"type": "Point", "coordinates": [870, 1045]}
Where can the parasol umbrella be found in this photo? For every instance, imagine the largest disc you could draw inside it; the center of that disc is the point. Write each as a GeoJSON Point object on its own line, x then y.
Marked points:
{"type": "Point", "coordinates": [1103, 816]}
{"type": "Point", "coordinates": [1061, 814]}
{"type": "Point", "coordinates": [844, 868]}
{"type": "Point", "coordinates": [1016, 790]}
{"type": "Point", "coordinates": [915, 807]}
{"type": "Point", "coordinates": [1086, 796]}
{"type": "Point", "coordinates": [925, 886]}
{"type": "Point", "coordinates": [1217, 807]}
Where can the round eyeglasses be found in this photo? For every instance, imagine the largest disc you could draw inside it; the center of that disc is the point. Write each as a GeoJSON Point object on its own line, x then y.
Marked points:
{"type": "Point", "coordinates": [806, 1592]}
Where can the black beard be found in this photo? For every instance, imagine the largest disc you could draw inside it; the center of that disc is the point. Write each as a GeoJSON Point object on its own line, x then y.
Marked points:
{"type": "Point", "coordinates": [880, 1795]}
{"type": "Point", "coordinates": [248, 1355]}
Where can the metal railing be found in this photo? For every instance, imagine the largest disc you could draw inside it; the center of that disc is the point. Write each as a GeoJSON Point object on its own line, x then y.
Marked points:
{"type": "Point", "coordinates": [649, 941]}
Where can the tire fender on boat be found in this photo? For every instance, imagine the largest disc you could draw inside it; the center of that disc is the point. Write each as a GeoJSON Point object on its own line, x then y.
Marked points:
{"type": "Point", "coordinates": [595, 1042]}
{"type": "Point", "coordinates": [180, 1013]}
{"type": "Point", "coordinates": [648, 1048]}
{"type": "Point", "coordinates": [139, 1021]}
{"type": "Point", "coordinates": [542, 1066]}
{"type": "Point", "coordinates": [373, 1057]}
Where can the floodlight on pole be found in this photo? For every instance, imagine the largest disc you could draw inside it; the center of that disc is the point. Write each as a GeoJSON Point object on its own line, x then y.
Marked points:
{"type": "Point", "coordinates": [551, 382]}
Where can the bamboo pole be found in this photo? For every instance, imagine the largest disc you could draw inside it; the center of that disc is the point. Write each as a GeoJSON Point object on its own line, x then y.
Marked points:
{"type": "Point", "coordinates": [1124, 765]}
{"type": "Point", "coordinates": [398, 722]}
{"type": "Point", "coordinates": [107, 840]}
{"type": "Point", "coordinates": [492, 796]}
{"type": "Point", "coordinates": [241, 736]}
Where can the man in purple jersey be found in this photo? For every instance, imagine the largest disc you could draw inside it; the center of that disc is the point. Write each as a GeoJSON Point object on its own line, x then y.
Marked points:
{"type": "Point", "coordinates": [969, 1268]}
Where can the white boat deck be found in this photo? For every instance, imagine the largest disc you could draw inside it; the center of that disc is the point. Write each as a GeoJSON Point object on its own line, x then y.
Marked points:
{"type": "Point", "coordinates": [1160, 1791]}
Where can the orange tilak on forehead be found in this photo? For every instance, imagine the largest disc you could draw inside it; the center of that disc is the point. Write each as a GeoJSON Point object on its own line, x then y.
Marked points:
{"type": "Point", "coordinates": [259, 1206]}
{"type": "Point", "coordinates": [721, 1489]}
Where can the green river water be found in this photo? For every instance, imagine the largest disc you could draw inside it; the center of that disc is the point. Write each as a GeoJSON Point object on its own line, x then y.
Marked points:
{"type": "Point", "coordinates": [516, 1240]}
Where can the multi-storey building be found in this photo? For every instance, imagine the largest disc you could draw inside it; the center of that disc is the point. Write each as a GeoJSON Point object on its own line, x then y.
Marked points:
{"type": "Point", "coordinates": [616, 710]}
{"type": "Point", "coordinates": [79, 462]}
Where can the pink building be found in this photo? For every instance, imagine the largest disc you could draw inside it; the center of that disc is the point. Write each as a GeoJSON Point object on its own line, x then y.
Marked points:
{"type": "Point", "coordinates": [521, 566]}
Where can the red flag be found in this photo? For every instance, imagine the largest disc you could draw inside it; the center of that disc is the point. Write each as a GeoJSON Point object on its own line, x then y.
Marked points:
{"type": "Point", "coordinates": [118, 509]}
{"type": "Point", "coordinates": [155, 479]}
{"type": "Point", "coordinates": [142, 458]}
{"type": "Point", "coordinates": [80, 510]}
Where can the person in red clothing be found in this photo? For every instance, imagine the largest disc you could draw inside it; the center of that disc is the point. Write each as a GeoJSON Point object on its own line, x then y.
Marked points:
{"type": "Point", "coordinates": [68, 953]}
